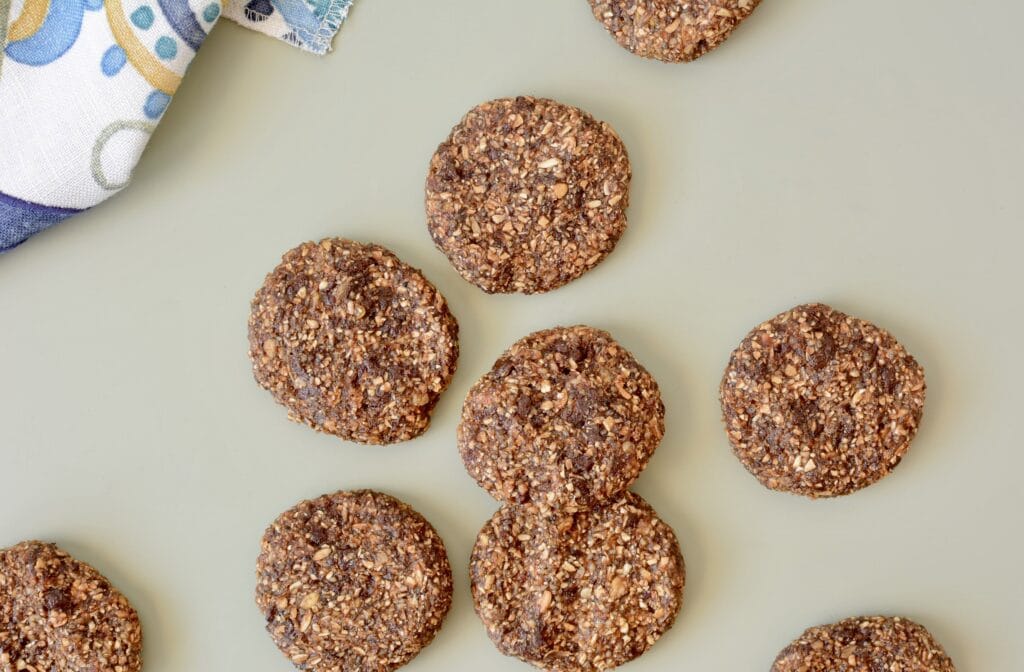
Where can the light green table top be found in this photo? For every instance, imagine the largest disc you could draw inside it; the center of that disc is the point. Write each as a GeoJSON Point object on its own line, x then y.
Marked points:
{"type": "Point", "coordinates": [866, 154]}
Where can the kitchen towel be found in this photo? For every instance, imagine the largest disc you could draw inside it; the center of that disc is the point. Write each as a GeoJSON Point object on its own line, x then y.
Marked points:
{"type": "Point", "coordinates": [83, 84]}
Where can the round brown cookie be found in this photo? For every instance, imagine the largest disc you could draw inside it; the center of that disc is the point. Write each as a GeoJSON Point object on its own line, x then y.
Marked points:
{"type": "Point", "coordinates": [671, 30]}
{"type": "Point", "coordinates": [354, 581]}
{"type": "Point", "coordinates": [527, 194]}
{"type": "Point", "coordinates": [353, 341]}
{"type": "Point", "coordinates": [57, 613]}
{"type": "Point", "coordinates": [820, 403]}
{"type": "Point", "coordinates": [865, 644]}
{"type": "Point", "coordinates": [577, 592]}
{"type": "Point", "coordinates": [566, 418]}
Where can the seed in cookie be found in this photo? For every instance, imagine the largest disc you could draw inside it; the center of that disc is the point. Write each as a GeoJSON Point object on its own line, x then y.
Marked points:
{"type": "Point", "coordinates": [820, 403]}
{"type": "Point", "coordinates": [57, 613]}
{"type": "Point", "coordinates": [865, 644]}
{"type": "Point", "coordinates": [354, 581]}
{"type": "Point", "coordinates": [671, 30]}
{"type": "Point", "coordinates": [566, 418]}
{"type": "Point", "coordinates": [527, 194]}
{"type": "Point", "coordinates": [577, 592]}
{"type": "Point", "coordinates": [353, 341]}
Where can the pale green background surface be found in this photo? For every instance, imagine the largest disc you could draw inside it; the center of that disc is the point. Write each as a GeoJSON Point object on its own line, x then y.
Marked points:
{"type": "Point", "coordinates": [867, 154]}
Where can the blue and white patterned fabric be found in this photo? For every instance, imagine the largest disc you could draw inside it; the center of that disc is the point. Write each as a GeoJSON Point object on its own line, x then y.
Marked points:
{"type": "Point", "coordinates": [308, 24]}
{"type": "Point", "coordinates": [83, 84]}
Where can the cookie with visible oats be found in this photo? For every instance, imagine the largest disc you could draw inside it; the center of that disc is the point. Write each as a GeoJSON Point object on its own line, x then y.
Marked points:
{"type": "Point", "coordinates": [865, 644]}
{"type": "Point", "coordinates": [820, 403]}
{"type": "Point", "coordinates": [354, 581]}
{"type": "Point", "coordinates": [57, 613]}
{"type": "Point", "coordinates": [353, 341]}
{"type": "Point", "coordinates": [566, 418]}
{"type": "Point", "coordinates": [527, 194]}
{"type": "Point", "coordinates": [671, 30]}
{"type": "Point", "coordinates": [577, 592]}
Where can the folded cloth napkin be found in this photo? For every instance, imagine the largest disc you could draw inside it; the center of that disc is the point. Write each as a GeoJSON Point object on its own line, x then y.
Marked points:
{"type": "Point", "coordinates": [83, 84]}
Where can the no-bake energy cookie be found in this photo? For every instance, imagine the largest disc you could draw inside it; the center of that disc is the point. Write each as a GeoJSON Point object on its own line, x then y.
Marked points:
{"type": "Point", "coordinates": [866, 644]}
{"type": "Point", "coordinates": [566, 418]}
{"type": "Point", "coordinates": [60, 615]}
{"type": "Point", "coordinates": [577, 592]}
{"type": "Point", "coordinates": [354, 581]}
{"type": "Point", "coordinates": [671, 30]}
{"type": "Point", "coordinates": [527, 194]}
{"type": "Point", "coordinates": [353, 341]}
{"type": "Point", "coordinates": [820, 403]}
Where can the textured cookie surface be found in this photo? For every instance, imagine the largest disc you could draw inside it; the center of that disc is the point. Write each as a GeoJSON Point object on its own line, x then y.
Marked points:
{"type": "Point", "coordinates": [868, 644]}
{"type": "Point", "coordinates": [354, 581]}
{"type": "Point", "coordinates": [819, 403]}
{"type": "Point", "coordinates": [527, 194]}
{"type": "Point", "coordinates": [59, 614]}
{"type": "Point", "coordinates": [577, 592]}
{"type": "Point", "coordinates": [566, 418]}
{"type": "Point", "coordinates": [353, 341]}
{"type": "Point", "coordinates": [671, 30]}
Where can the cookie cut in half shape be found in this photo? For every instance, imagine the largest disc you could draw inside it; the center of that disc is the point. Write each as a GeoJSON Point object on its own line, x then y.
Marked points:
{"type": "Point", "coordinates": [60, 614]}
{"type": "Point", "coordinates": [865, 644]}
{"type": "Point", "coordinates": [671, 30]}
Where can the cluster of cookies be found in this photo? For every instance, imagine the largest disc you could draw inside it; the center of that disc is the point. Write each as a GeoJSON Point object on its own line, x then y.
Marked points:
{"type": "Point", "coordinates": [574, 573]}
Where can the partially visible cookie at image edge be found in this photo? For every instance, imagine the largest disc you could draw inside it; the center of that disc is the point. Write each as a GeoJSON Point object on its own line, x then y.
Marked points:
{"type": "Point", "coordinates": [353, 341]}
{"type": "Point", "coordinates": [57, 613]}
{"type": "Point", "coordinates": [566, 418]}
{"type": "Point", "coordinates": [355, 581]}
{"type": "Point", "coordinates": [820, 403]}
{"type": "Point", "coordinates": [671, 30]}
{"type": "Point", "coordinates": [577, 592]}
{"type": "Point", "coordinates": [865, 644]}
{"type": "Point", "coordinates": [527, 194]}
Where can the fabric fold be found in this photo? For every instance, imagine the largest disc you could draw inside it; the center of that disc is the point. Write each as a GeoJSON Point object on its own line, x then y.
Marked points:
{"type": "Point", "coordinates": [307, 24]}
